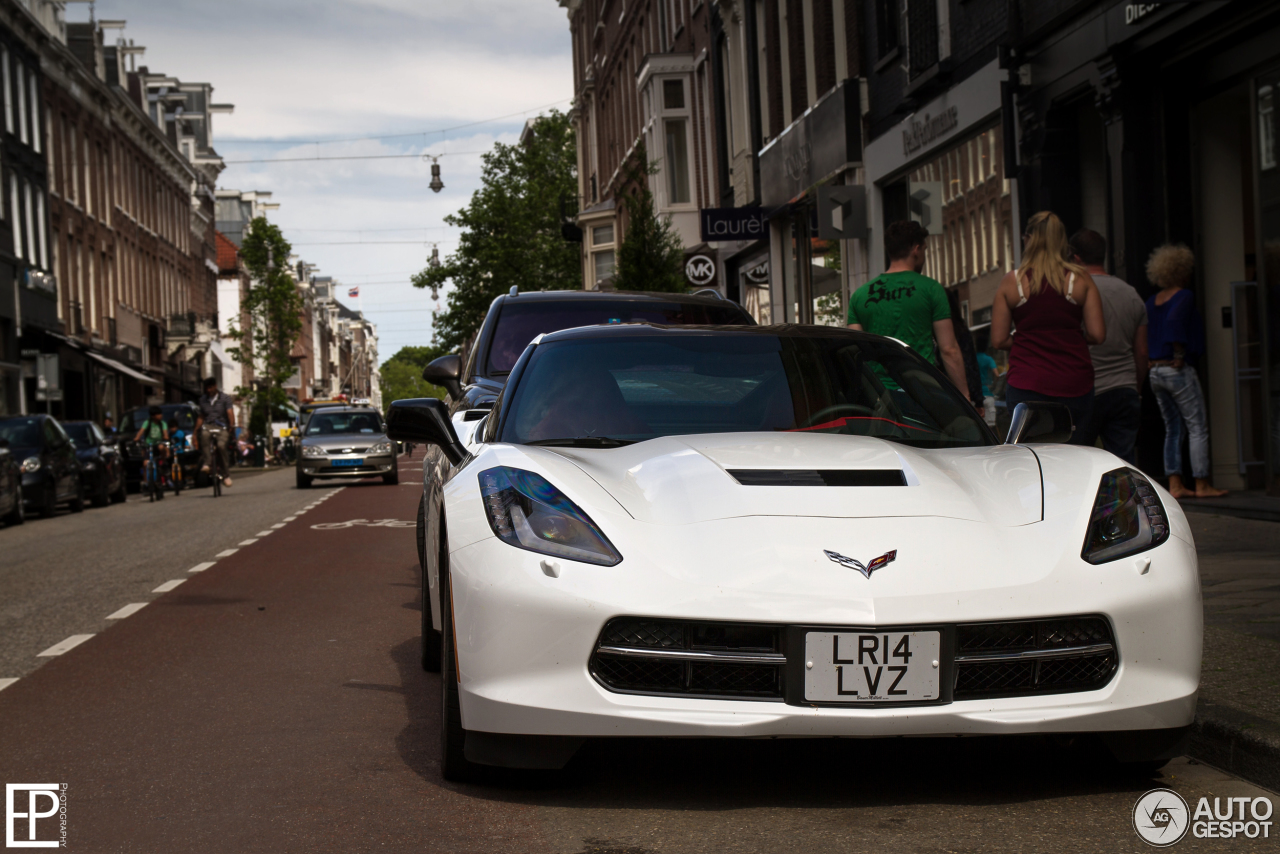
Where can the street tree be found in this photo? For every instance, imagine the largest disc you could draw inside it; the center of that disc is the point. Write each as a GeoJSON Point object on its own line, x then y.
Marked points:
{"type": "Point", "coordinates": [401, 375]}
{"type": "Point", "coordinates": [651, 257]}
{"type": "Point", "coordinates": [511, 230]}
{"type": "Point", "coordinates": [274, 310]}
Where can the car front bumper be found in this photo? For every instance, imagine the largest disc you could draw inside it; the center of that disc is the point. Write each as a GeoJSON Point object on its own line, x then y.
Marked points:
{"type": "Point", "coordinates": [369, 466]}
{"type": "Point", "coordinates": [524, 638]}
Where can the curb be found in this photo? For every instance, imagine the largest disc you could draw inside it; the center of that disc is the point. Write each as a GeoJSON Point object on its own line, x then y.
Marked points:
{"type": "Point", "coordinates": [1239, 742]}
{"type": "Point", "coordinates": [1242, 509]}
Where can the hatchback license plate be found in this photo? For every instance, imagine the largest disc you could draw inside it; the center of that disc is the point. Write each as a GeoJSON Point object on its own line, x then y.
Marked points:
{"type": "Point", "coordinates": [338, 463]}
{"type": "Point", "coordinates": [871, 667]}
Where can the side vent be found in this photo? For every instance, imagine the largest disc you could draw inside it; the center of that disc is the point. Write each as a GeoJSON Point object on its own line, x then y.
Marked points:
{"type": "Point", "coordinates": [819, 477]}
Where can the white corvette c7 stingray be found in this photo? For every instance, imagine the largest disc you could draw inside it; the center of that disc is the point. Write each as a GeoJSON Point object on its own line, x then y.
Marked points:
{"type": "Point", "coordinates": [786, 532]}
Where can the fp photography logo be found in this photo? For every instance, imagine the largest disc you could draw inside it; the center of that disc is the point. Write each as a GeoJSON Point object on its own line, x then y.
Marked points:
{"type": "Point", "coordinates": [35, 815]}
{"type": "Point", "coordinates": [1160, 817]}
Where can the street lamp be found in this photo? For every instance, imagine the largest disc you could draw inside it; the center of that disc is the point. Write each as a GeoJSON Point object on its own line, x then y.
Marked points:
{"type": "Point", "coordinates": [436, 184]}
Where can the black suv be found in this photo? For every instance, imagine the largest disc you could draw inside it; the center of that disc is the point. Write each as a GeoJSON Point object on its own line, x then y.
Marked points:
{"type": "Point", "coordinates": [179, 416]}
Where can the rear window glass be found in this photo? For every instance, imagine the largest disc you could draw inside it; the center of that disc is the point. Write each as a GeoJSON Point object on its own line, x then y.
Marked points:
{"type": "Point", "coordinates": [520, 323]}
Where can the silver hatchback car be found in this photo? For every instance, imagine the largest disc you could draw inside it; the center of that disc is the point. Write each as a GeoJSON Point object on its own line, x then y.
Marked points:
{"type": "Point", "coordinates": [347, 442]}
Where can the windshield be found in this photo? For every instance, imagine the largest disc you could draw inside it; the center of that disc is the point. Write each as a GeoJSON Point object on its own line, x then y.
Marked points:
{"type": "Point", "coordinates": [603, 392]}
{"type": "Point", "coordinates": [333, 423]}
{"type": "Point", "coordinates": [81, 432]}
{"type": "Point", "coordinates": [520, 322]}
{"type": "Point", "coordinates": [178, 416]}
{"type": "Point", "coordinates": [21, 432]}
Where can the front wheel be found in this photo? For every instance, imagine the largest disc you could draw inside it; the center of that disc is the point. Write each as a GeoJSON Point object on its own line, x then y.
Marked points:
{"type": "Point", "coordinates": [77, 501]}
{"type": "Point", "coordinates": [454, 765]}
{"type": "Point", "coordinates": [102, 495]}
{"type": "Point", "coordinates": [18, 514]}
{"type": "Point", "coordinates": [304, 482]}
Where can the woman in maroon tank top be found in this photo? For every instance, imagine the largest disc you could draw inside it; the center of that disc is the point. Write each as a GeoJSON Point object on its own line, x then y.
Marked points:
{"type": "Point", "coordinates": [1055, 307]}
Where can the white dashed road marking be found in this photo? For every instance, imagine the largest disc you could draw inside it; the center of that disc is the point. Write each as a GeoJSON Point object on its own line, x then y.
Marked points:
{"type": "Point", "coordinates": [246, 542]}
{"type": "Point", "coordinates": [168, 585]}
{"type": "Point", "coordinates": [226, 553]}
{"type": "Point", "coordinates": [201, 567]}
{"type": "Point", "coordinates": [5, 683]}
{"type": "Point", "coordinates": [262, 533]}
{"type": "Point", "coordinates": [127, 611]}
{"type": "Point", "coordinates": [290, 518]}
{"type": "Point", "coordinates": [278, 525]}
{"type": "Point", "coordinates": [64, 646]}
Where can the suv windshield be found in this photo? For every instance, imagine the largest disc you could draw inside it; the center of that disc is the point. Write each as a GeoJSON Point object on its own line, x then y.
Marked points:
{"type": "Point", "coordinates": [595, 392]}
{"type": "Point", "coordinates": [21, 432]}
{"type": "Point", "coordinates": [520, 322]}
{"type": "Point", "coordinates": [81, 432]}
{"type": "Point", "coordinates": [179, 416]}
{"type": "Point", "coordinates": [330, 423]}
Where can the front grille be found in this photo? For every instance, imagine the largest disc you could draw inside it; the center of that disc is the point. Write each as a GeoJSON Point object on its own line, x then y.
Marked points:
{"type": "Point", "coordinates": [1033, 657]}
{"type": "Point", "coordinates": [636, 655]}
{"type": "Point", "coordinates": [347, 450]}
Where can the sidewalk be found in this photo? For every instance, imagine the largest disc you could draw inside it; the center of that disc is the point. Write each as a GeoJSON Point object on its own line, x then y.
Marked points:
{"type": "Point", "coordinates": [1247, 504]}
{"type": "Point", "coordinates": [1238, 716]}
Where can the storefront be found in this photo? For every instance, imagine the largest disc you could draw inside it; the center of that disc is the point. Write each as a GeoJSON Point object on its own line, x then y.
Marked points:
{"type": "Point", "coordinates": [944, 167]}
{"type": "Point", "coordinates": [1160, 127]}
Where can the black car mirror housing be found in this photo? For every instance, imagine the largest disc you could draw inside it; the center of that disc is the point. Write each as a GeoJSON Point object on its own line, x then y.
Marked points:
{"type": "Point", "coordinates": [446, 372]}
{"type": "Point", "coordinates": [426, 420]}
{"type": "Point", "coordinates": [1041, 422]}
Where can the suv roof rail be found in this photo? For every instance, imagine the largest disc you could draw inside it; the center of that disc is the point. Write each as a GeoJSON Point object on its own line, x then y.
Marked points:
{"type": "Point", "coordinates": [708, 292]}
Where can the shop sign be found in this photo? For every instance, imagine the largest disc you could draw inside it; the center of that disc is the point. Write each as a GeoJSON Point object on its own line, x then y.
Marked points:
{"type": "Point", "coordinates": [816, 146]}
{"type": "Point", "coordinates": [757, 274]}
{"type": "Point", "coordinates": [700, 270]}
{"type": "Point", "coordinates": [720, 224]}
{"type": "Point", "coordinates": [923, 133]}
{"type": "Point", "coordinates": [1134, 12]}
{"type": "Point", "coordinates": [34, 280]}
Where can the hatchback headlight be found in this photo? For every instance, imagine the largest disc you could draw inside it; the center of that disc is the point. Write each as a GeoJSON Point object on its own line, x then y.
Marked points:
{"type": "Point", "coordinates": [527, 512]}
{"type": "Point", "coordinates": [381, 448]}
{"type": "Point", "coordinates": [1127, 518]}
{"type": "Point", "coordinates": [313, 451]}
{"type": "Point", "coordinates": [31, 464]}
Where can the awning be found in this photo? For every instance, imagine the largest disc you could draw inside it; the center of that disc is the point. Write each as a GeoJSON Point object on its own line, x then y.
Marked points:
{"type": "Point", "coordinates": [124, 369]}
{"type": "Point", "coordinates": [215, 347]}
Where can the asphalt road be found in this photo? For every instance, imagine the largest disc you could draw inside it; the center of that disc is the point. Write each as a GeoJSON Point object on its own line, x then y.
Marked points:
{"type": "Point", "coordinates": [273, 702]}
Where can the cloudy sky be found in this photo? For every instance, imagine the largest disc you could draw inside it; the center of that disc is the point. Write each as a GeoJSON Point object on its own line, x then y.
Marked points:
{"type": "Point", "coordinates": [319, 77]}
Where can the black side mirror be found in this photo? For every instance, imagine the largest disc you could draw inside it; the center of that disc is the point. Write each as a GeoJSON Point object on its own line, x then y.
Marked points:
{"type": "Point", "coordinates": [425, 419]}
{"type": "Point", "coordinates": [1040, 421]}
{"type": "Point", "coordinates": [446, 372]}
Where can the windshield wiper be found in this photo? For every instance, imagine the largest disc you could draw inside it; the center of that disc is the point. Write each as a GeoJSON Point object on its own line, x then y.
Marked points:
{"type": "Point", "coordinates": [583, 442]}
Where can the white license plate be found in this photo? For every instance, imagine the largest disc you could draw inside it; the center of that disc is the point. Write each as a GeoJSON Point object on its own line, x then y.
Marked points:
{"type": "Point", "coordinates": [871, 667]}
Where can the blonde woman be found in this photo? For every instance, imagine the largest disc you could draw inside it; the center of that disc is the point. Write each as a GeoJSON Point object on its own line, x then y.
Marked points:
{"type": "Point", "coordinates": [1058, 313]}
{"type": "Point", "coordinates": [1175, 338]}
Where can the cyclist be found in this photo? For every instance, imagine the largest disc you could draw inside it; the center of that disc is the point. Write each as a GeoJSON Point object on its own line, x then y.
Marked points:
{"type": "Point", "coordinates": [214, 424]}
{"type": "Point", "coordinates": [154, 432]}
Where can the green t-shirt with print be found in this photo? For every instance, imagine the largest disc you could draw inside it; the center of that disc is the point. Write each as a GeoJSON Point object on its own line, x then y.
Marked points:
{"type": "Point", "coordinates": [153, 432]}
{"type": "Point", "coordinates": [904, 306]}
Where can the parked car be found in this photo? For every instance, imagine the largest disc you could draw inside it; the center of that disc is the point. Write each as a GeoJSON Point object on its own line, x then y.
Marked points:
{"type": "Point", "coordinates": [514, 320]}
{"type": "Point", "coordinates": [180, 416]}
{"type": "Point", "coordinates": [789, 531]}
{"type": "Point", "coordinates": [11, 510]}
{"type": "Point", "coordinates": [346, 442]}
{"type": "Point", "coordinates": [50, 469]}
{"type": "Point", "coordinates": [101, 465]}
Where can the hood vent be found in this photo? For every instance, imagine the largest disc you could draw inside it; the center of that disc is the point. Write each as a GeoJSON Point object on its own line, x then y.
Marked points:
{"type": "Point", "coordinates": [819, 477]}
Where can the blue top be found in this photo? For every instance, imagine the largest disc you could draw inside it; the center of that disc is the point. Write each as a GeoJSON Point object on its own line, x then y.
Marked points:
{"type": "Point", "coordinates": [986, 367]}
{"type": "Point", "coordinates": [1175, 322]}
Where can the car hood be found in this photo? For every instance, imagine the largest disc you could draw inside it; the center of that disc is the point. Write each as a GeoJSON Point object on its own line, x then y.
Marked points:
{"type": "Point", "coordinates": [21, 452]}
{"type": "Point", "coordinates": [357, 442]}
{"type": "Point", "coordinates": [686, 479]}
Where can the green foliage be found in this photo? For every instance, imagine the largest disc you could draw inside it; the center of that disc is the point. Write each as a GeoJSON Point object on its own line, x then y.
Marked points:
{"type": "Point", "coordinates": [511, 230]}
{"type": "Point", "coordinates": [401, 375]}
{"type": "Point", "coordinates": [274, 307]}
{"type": "Point", "coordinates": [651, 257]}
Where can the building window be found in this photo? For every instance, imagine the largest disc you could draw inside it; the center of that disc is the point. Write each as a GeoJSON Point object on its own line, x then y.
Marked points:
{"type": "Point", "coordinates": [602, 234]}
{"type": "Point", "coordinates": [1266, 127]}
{"type": "Point", "coordinates": [673, 125]}
{"type": "Point", "coordinates": [8, 89]}
{"type": "Point", "coordinates": [15, 215]}
{"type": "Point", "coordinates": [677, 165]}
{"type": "Point", "coordinates": [886, 26]}
{"type": "Point", "coordinates": [603, 264]}
{"type": "Point", "coordinates": [22, 102]}
{"type": "Point", "coordinates": [34, 92]}
{"type": "Point", "coordinates": [41, 246]}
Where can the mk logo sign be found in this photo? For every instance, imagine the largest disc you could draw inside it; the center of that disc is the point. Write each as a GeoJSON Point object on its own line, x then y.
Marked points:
{"type": "Point", "coordinates": [40, 801]}
{"type": "Point", "coordinates": [700, 270]}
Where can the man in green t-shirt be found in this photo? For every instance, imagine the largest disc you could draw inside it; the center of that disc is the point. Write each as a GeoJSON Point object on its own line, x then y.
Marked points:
{"type": "Point", "coordinates": [905, 305]}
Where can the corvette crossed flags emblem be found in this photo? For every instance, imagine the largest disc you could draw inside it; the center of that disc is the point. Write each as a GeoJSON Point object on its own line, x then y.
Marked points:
{"type": "Point", "coordinates": [876, 563]}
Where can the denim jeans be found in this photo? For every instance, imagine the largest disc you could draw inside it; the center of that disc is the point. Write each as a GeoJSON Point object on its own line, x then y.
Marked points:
{"type": "Point", "coordinates": [1182, 403]}
{"type": "Point", "coordinates": [1080, 407]}
{"type": "Point", "coordinates": [1117, 412]}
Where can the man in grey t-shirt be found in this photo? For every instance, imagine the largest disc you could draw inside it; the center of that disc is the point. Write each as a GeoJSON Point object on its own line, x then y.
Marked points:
{"type": "Point", "coordinates": [1120, 361]}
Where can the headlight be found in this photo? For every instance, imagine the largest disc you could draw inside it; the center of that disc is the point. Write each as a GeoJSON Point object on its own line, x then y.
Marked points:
{"type": "Point", "coordinates": [313, 451]}
{"type": "Point", "coordinates": [527, 512]}
{"type": "Point", "coordinates": [31, 464]}
{"type": "Point", "coordinates": [90, 466]}
{"type": "Point", "coordinates": [381, 448]}
{"type": "Point", "coordinates": [1127, 518]}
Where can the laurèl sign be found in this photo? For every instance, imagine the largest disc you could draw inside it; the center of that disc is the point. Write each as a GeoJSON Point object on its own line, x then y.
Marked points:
{"type": "Point", "coordinates": [723, 224]}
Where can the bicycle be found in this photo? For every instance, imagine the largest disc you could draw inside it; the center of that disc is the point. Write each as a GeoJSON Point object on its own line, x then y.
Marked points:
{"type": "Point", "coordinates": [218, 468]}
{"type": "Point", "coordinates": [175, 467]}
{"type": "Point", "coordinates": [154, 476]}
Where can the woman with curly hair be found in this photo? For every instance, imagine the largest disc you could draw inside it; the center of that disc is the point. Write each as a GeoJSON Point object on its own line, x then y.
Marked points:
{"type": "Point", "coordinates": [1175, 337]}
{"type": "Point", "coordinates": [1058, 313]}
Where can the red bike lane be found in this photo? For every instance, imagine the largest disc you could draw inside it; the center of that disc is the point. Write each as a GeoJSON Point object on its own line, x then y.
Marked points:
{"type": "Point", "coordinates": [273, 702]}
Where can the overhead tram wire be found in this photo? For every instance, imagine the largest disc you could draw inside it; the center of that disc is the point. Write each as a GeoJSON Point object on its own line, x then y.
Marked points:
{"type": "Point", "coordinates": [422, 154]}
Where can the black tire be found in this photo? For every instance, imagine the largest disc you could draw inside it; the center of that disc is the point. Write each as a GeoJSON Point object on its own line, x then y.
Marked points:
{"type": "Point", "coordinates": [77, 502]}
{"type": "Point", "coordinates": [304, 482]}
{"type": "Point", "coordinates": [102, 495]}
{"type": "Point", "coordinates": [453, 760]}
{"type": "Point", "coordinates": [122, 494]}
{"type": "Point", "coordinates": [49, 506]}
{"type": "Point", "coordinates": [391, 479]}
{"type": "Point", "coordinates": [18, 514]}
{"type": "Point", "coordinates": [177, 486]}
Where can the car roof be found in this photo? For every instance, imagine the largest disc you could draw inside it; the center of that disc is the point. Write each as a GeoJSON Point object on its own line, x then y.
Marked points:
{"type": "Point", "coordinates": [645, 328]}
{"type": "Point", "coordinates": [345, 408]}
{"type": "Point", "coordinates": [616, 296]}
